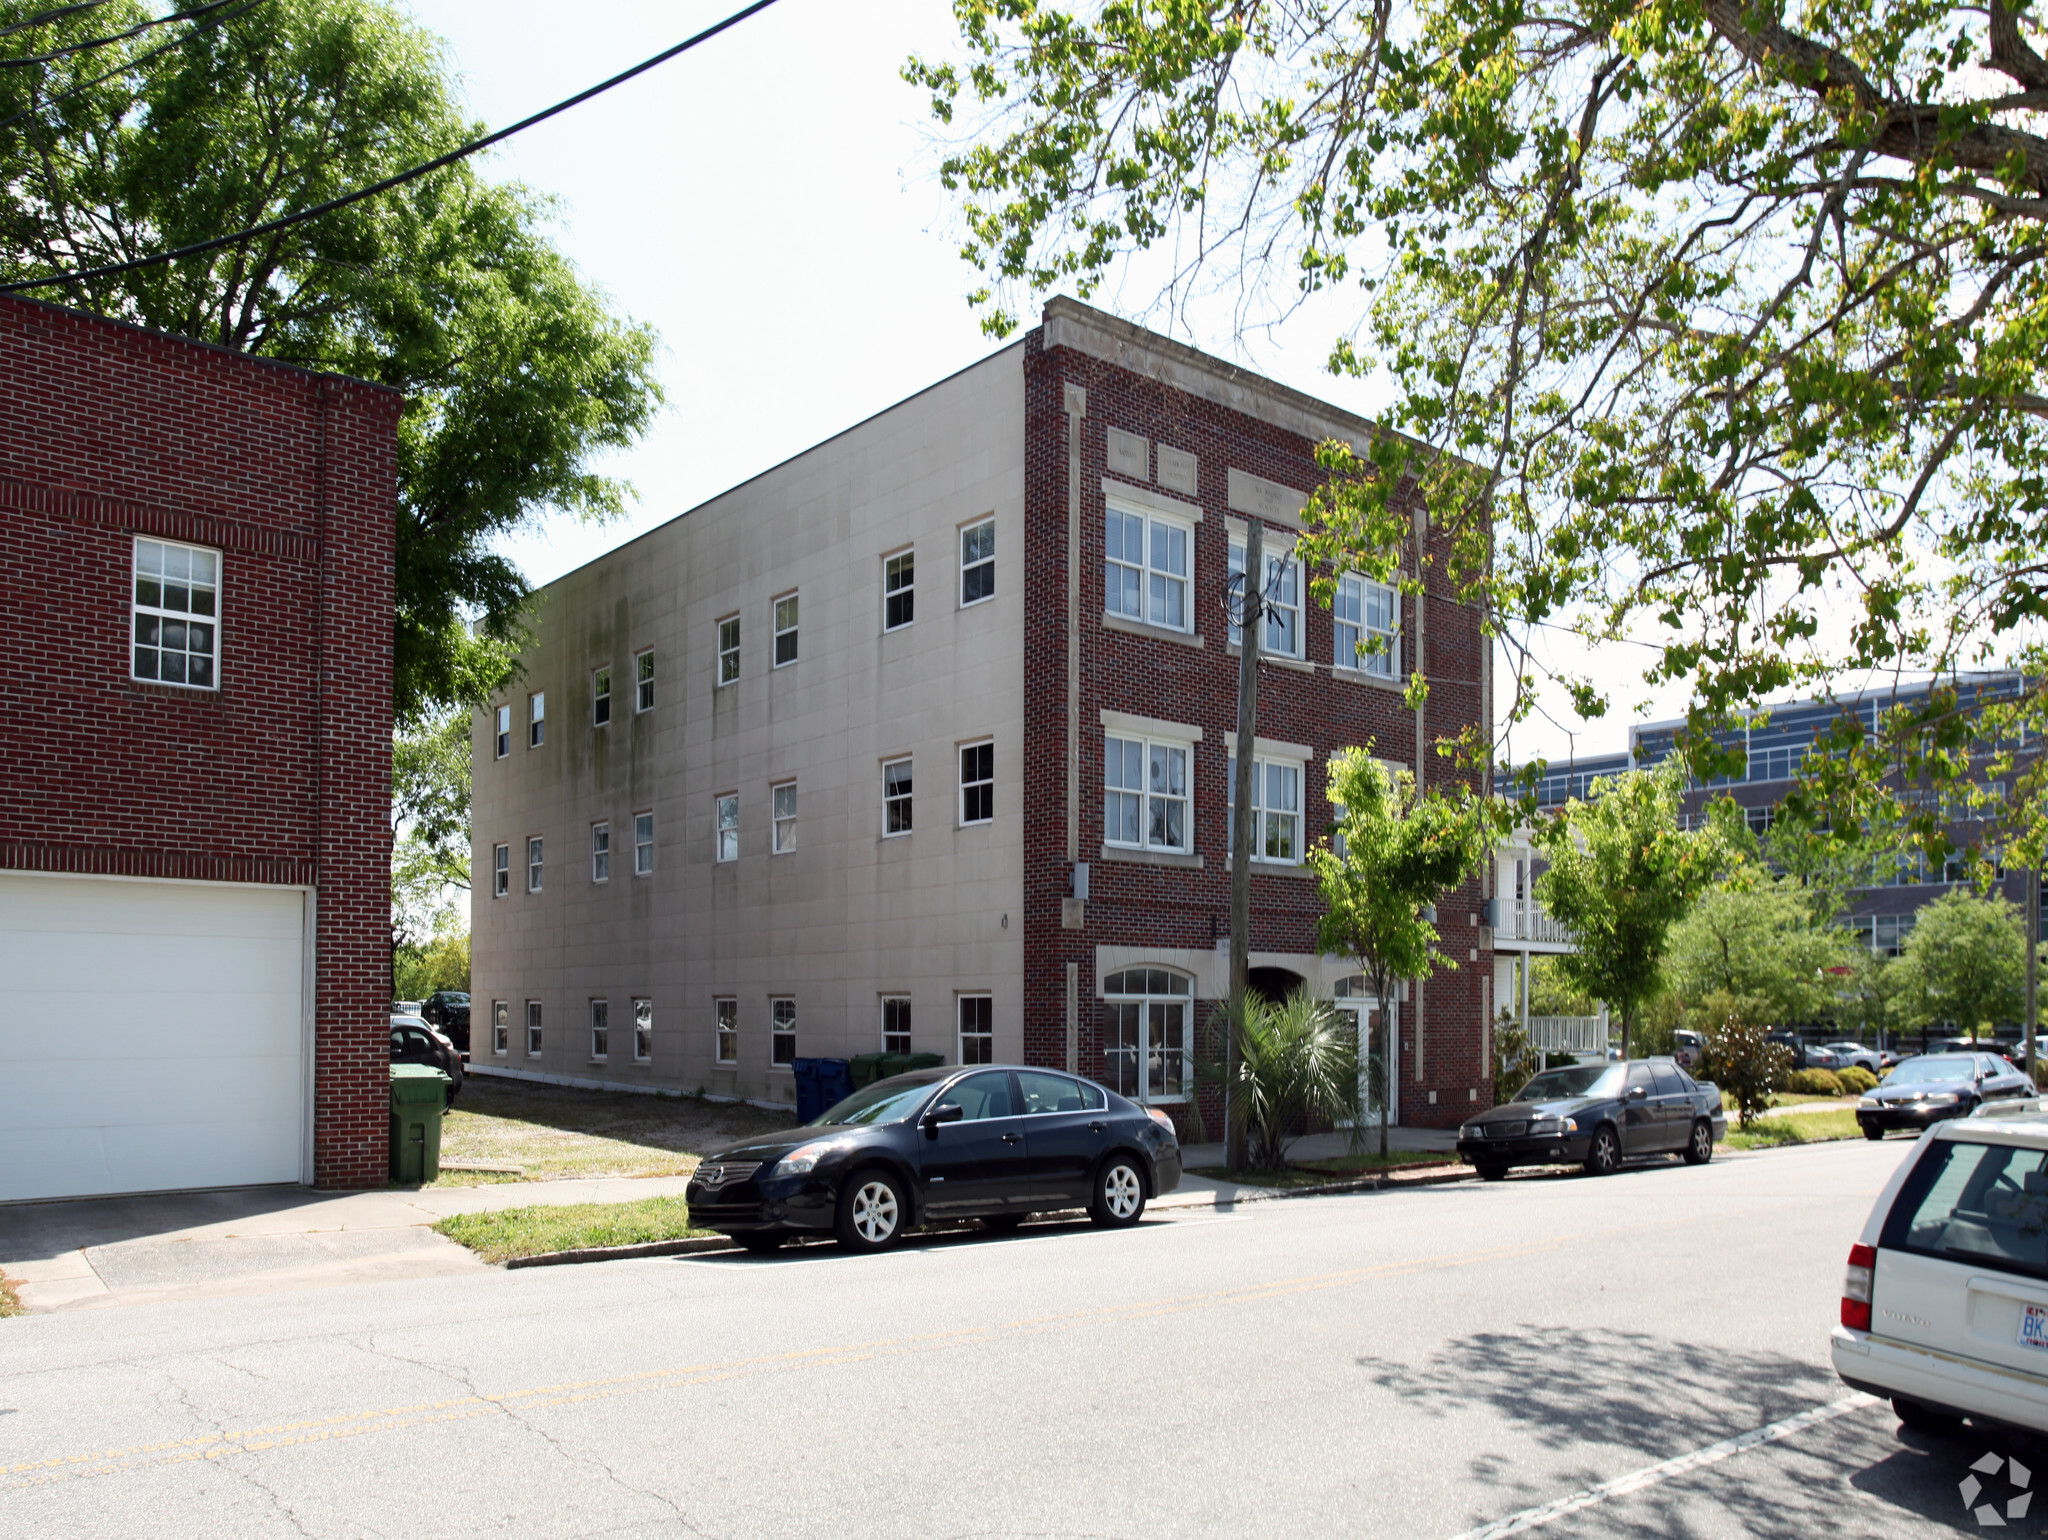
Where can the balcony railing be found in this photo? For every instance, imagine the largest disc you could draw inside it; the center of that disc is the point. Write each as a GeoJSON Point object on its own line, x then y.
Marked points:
{"type": "Point", "coordinates": [1523, 919]}
{"type": "Point", "coordinates": [1568, 1034]}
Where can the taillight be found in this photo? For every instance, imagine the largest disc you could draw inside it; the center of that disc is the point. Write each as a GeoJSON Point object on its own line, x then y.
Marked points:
{"type": "Point", "coordinates": [1856, 1287]}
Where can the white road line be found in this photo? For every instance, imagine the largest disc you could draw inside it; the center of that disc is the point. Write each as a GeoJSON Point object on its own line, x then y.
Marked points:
{"type": "Point", "coordinates": [1650, 1475]}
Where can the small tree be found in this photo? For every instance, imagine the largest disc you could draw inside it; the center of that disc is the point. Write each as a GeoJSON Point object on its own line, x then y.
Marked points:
{"type": "Point", "coordinates": [1741, 1060]}
{"type": "Point", "coordinates": [1621, 874]}
{"type": "Point", "coordinates": [1393, 852]}
{"type": "Point", "coordinates": [1513, 1064]}
{"type": "Point", "coordinates": [1755, 936]}
{"type": "Point", "coordinates": [1965, 962]}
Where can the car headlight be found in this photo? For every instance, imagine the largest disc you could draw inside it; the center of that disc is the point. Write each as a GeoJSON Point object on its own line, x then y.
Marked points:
{"type": "Point", "coordinates": [1869, 1101]}
{"type": "Point", "coordinates": [1942, 1099]}
{"type": "Point", "coordinates": [805, 1157]}
{"type": "Point", "coordinates": [1544, 1128]}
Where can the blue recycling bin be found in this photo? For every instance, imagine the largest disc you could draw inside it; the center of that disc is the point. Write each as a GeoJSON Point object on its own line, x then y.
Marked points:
{"type": "Point", "coordinates": [835, 1083]}
{"type": "Point", "coordinates": [808, 1104]}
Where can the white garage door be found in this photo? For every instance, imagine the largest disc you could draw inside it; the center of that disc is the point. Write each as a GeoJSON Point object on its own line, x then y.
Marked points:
{"type": "Point", "coordinates": [151, 1035]}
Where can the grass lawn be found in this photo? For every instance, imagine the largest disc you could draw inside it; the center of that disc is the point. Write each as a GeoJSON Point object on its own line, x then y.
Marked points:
{"type": "Point", "coordinates": [10, 1302]}
{"type": "Point", "coordinates": [1317, 1173]}
{"type": "Point", "coordinates": [552, 1132]}
{"type": "Point", "coordinates": [1807, 1128]}
{"type": "Point", "coordinates": [527, 1232]}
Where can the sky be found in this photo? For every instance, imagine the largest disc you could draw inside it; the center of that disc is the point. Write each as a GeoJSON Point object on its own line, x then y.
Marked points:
{"type": "Point", "coordinates": [770, 203]}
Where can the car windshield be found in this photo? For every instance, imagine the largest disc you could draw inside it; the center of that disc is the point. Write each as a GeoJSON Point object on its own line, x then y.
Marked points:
{"type": "Point", "coordinates": [886, 1101]}
{"type": "Point", "coordinates": [1579, 1080]}
{"type": "Point", "coordinates": [1938, 1071]}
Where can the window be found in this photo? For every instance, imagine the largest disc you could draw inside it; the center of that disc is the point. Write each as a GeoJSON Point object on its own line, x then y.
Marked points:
{"type": "Point", "coordinates": [785, 630]}
{"type": "Point", "coordinates": [1282, 595]}
{"type": "Point", "coordinates": [895, 1023]}
{"type": "Point", "coordinates": [725, 1012]}
{"type": "Point", "coordinates": [643, 844]}
{"type": "Point", "coordinates": [176, 612]}
{"type": "Point", "coordinates": [1367, 613]}
{"type": "Point", "coordinates": [600, 852]}
{"type": "Point", "coordinates": [600, 1030]}
{"type": "Point", "coordinates": [729, 650]}
{"type": "Point", "coordinates": [533, 864]}
{"type": "Point", "coordinates": [1145, 794]}
{"type": "Point", "coordinates": [533, 1029]}
{"type": "Point", "coordinates": [643, 680]}
{"type": "Point", "coordinates": [600, 697]}
{"type": "Point", "coordinates": [1044, 1093]}
{"type": "Point", "coordinates": [977, 1030]}
{"type": "Point", "coordinates": [501, 1026]}
{"type": "Point", "coordinates": [643, 1031]}
{"type": "Point", "coordinates": [1146, 569]}
{"type": "Point", "coordinates": [501, 870]}
{"type": "Point", "coordinates": [504, 731]}
{"type": "Point", "coordinates": [782, 808]}
{"type": "Point", "coordinates": [899, 590]}
{"type": "Point", "coordinates": [1146, 1040]}
{"type": "Point", "coordinates": [1276, 809]}
{"type": "Point", "coordinates": [782, 1038]}
{"type": "Point", "coordinates": [978, 783]}
{"type": "Point", "coordinates": [1978, 1205]}
{"type": "Point", "coordinates": [729, 826]}
{"type": "Point", "coordinates": [536, 720]}
{"type": "Point", "coordinates": [896, 797]}
{"type": "Point", "coordinates": [977, 562]}
{"type": "Point", "coordinates": [983, 1096]}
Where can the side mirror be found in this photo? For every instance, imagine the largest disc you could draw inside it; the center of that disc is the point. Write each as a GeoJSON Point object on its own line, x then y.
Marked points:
{"type": "Point", "coordinates": [1638, 1093]}
{"type": "Point", "coordinates": [945, 1112]}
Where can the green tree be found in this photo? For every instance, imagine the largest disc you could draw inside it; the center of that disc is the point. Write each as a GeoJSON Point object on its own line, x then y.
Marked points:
{"type": "Point", "coordinates": [1297, 1068]}
{"type": "Point", "coordinates": [430, 852]}
{"type": "Point", "coordinates": [516, 376]}
{"type": "Point", "coordinates": [1392, 854]}
{"type": "Point", "coordinates": [1621, 875]}
{"type": "Point", "coordinates": [1754, 935]}
{"type": "Point", "coordinates": [1741, 1060]}
{"type": "Point", "coordinates": [1965, 963]}
{"type": "Point", "coordinates": [1863, 994]}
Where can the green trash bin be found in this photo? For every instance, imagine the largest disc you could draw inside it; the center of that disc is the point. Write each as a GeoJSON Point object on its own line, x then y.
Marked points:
{"type": "Point", "coordinates": [887, 1064]}
{"type": "Point", "coordinates": [913, 1061]}
{"type": "Point", "coordinates": [419, 1092]}
{"type": "Point", "coordinates": [866, 1069]}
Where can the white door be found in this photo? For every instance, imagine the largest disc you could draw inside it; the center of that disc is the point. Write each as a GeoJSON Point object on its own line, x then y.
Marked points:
{"type": "Point", "coordinates": [151, 1035]}
{"type": "Point", "coordinates": [1365, 1019]}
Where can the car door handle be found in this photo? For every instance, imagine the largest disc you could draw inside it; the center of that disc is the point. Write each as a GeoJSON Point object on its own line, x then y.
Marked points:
{"type": "Point", "coordinates": [1013, 1138]}
{"type": "Point", "coordinates": [1098, 1127]}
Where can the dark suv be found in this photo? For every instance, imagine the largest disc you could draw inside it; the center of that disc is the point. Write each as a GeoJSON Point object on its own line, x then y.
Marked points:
{"type": "Point", "coordinates": [448, 1009]}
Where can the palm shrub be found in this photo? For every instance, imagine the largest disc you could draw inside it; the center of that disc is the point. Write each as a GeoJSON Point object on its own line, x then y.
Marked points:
{"type": "Point", "coordinates": [1297, 1068]}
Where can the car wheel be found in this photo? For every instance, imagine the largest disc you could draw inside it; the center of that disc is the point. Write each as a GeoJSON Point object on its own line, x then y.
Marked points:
{"type": "Point", "coordinates": [1002, 1223]}
{"type": "Point", "coordinates": [761, 1243]}
{"type": "Point", "coordinates": [1873, 1131]}
{"type": "Point", "coordinates": [871, 1212]}
{"type": "Point", "coordinates": [1119, 1193]}
{"type": "Point", "coordinates": [1604, 1157]}
{"type": "Point", "coordinates": [1491, 1172]}
{"type": "Point", "coordinates": [1699, 1149]}
{"type": "Point", "coordinates": [1924, 1419]}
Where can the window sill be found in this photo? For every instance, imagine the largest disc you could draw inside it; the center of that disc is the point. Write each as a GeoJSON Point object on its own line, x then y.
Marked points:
{"type": "Point", "coordinates": [1299, 665]}
{"type": "Point", "coordinates": [975, 604]}
{"type": "Point", "coordinates": [1191, 862]}
{"type": "Point", "coordinates": [1161, 633]}
{"type": "Point", "coordinates": [1370, 681]}
{"type": "Point", "coordinates": [1283, 869]}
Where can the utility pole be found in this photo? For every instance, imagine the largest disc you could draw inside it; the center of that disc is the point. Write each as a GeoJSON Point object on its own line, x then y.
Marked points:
{"type": "Point", "coordinates": [2033, 964]}
{"type": "Point", "coordinates": [1249, 617]}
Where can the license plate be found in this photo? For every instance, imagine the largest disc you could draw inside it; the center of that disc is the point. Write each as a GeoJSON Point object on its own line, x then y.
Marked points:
{"type": "Point", "coordinates": [2034, 1327]}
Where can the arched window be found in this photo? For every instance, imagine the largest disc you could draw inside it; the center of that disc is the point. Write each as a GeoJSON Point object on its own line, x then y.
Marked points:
{"type": "Point", "coordinates": [1351, 987]}
{"type": "Point", "coordinates": [1148, 1034]}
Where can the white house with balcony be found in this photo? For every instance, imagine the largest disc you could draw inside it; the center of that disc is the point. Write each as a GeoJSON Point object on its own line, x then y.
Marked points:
{"type": "Point", "coordinates": [1522, 932]}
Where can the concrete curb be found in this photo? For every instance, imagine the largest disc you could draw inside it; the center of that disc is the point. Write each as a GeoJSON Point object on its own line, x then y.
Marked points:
{"type": "Point", "coordinates": [683, 1247]}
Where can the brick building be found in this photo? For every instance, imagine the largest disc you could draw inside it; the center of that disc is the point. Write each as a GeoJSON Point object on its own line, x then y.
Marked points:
{"type": "Point", "coordinates": [194, 776]}
{"type": "Point", "coordinates": [920, 740]}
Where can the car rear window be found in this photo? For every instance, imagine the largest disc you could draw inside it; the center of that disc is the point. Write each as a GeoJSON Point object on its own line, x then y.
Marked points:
{"type": "Point", "coordinates": [1984, 1204]}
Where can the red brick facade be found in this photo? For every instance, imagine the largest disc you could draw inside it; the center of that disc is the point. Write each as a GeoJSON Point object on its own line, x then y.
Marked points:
{"type": "Point", "coordinates": [1144, 905]}
{"type": "Point", "coordinates": [282, 774]}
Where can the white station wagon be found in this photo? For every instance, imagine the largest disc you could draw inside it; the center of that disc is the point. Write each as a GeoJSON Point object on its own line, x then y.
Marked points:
{"type": "Point", "coordinates": [1945, 1304]}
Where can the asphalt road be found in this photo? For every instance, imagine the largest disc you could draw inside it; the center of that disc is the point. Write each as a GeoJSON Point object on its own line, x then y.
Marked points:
{"type": "Point", "coordinates": [1407, 1364]}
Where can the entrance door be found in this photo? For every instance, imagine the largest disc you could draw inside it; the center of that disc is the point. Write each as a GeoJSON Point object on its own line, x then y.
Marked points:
{"type": "Point", "coordinates": [1364, 1020]}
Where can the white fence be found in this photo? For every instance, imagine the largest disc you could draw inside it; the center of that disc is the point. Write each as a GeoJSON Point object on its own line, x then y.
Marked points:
{"type": "Point", "coordinates": [1568, 1034]}
{"type": "Point", "coordinates": [1523, 919]}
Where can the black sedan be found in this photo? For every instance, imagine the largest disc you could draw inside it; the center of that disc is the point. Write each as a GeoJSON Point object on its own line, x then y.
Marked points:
{"type": "Point", "coordinates": [1597, 1116]}
{"type": "Point", "coordinates": [447, 1010]}
{"type": "Point", "coordinates": [988, 1142]}
{"type": "Point", "coordinates": [414, 1042]}
{"type": "Point", "coordinates": [1935, 1086]}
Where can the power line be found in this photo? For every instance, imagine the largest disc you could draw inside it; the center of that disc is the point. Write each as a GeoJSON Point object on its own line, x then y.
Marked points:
{"type": "Point", "coordinates": [389, 182]}
{"type": "Point", "coordinates": [57, 15]}
{"type": "Point", "coordinates": [117, 37]}
{"type": "Point", "coordinates": [129, 64]}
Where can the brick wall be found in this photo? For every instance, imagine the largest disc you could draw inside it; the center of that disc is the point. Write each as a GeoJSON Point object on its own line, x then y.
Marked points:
{"type": "Point", "coordinates": [282, 774]}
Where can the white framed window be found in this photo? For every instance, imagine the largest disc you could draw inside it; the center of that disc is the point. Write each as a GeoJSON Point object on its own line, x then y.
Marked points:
{"type": "Point", "coordinates": [785, 630]}
{"type": "Point", "coordinates": [533, 1029]}
{"type": "Point", "coordinates": [501, 1026]}
{"type": "Point", "coordinates": [1276, 809]}
{"type": "Point", "coordinates": [1146, 801]}
{"type": "Point", "coordinates": [1282, 596]}
{"type": "Point", "coordinates": [643, 1030]}
{"type": "Point", "coordinates": [782, 812]}
{"type": "Point", "coordinates": [501, 870]}
{"type": "Point", "coordinates": [899, 590]}
{"type": "Point", "coordinates": [977, 561]}
{"type": "Point", "coordinates": [601, 852]}
{"type": "Point", "coordinates": [536, 719]}
{"type": "Point", "coordinates": [977, 1029]}
{"type": "Point", "coordinates": [1365, 613]}
{"type": "Point", "coordinates": [176, 614]}
{"type": "Point", "coordinates": [1148, 567]}
{"type": "Point", "coordinates": [643, 844]}
{"type": "Point", "coordinates": [782, 1031]}
{"type": "Point", "coordinates": [729, 650]}
{"type": "Point", "coordinates": [896, 804]}
{"type": "Point", "coordinates": [600, 697]}
{"type": "Point", "coordinates": [504, 731]}
{"type": "Point", "coordinates": [977, 782]}
{"type": "Point", "coordinates": [1147, 1036]}
{"type": "Point", "coordinates": [895, 1023]}
{"type": "Point", "coordinates": [600, 1030]}
{"type": "Point", "coordinates": [643, 680]}
{"type": "Point", "coordinates": [725, 1016]}
{"type": "Point", "coordinates": [728, 826]}
{"type": "Point", "coordinates": [533, 864]}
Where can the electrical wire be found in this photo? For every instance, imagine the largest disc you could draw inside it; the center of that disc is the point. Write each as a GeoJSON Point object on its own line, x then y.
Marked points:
{"type": "Point", "coordinates": [128, 64]}
{"type": "Point", "coordinates": [389, 182]}
{"type": "Point", "coordinates": [117, 37]}
{"type": "Point", "coordinates": [57, 15]}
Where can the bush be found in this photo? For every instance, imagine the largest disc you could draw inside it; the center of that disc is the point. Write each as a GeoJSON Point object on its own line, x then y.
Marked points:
{"type": "Point", "coordinates": [1856, 1080]}
{"type": "Point", "coordinates": [1813, 1082]}
{"type": "Point", "coordinates": [1740, 1059]}
{"type": "Point", "coordinates": [1513, 1064]}
{"type": "Point", "coordinates": [1298, 1069]}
